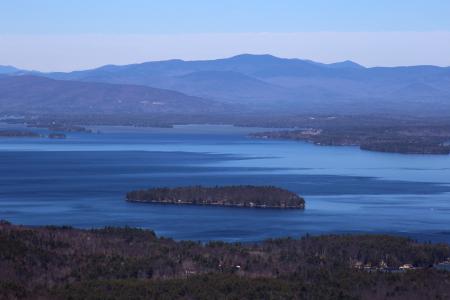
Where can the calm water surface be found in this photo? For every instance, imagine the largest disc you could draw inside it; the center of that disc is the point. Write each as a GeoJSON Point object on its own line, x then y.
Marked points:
{"type": "Point", "coordinates": [81, 181]}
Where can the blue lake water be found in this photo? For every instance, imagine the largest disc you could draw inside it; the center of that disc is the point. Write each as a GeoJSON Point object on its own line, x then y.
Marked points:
{"type": "Point", "coordinates": [81, 181]}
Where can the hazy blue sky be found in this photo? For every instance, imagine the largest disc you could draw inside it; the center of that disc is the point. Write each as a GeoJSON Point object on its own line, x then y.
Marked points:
{"type": "Point", "coordinates": [71, 34]}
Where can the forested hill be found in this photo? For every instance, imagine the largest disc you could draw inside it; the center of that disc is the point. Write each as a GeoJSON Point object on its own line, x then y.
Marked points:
{"type": "Point", "coordinates": [33, 94]}
{"type": "Point", "coordinates": [125, 263]}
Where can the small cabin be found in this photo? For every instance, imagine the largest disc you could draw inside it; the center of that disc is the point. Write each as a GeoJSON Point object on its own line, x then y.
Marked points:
{"type": "Point", "coordinates": [406, 267]}
{"type": "Point", "coordinates": [358, 265]}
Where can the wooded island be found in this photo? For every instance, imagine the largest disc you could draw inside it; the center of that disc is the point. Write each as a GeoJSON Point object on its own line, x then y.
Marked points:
{"type": "Point", "coordinates": [237, 196]}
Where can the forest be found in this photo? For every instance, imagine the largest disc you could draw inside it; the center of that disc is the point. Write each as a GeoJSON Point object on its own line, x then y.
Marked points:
{"type": "Point", "coordinates": [127, 263]}
{"type": "Point", "coordinates": [237, 196]}
{"type": "Point", "coordinates": [18, 133]}
{"type": "Point", "coordinates": [395, 139]}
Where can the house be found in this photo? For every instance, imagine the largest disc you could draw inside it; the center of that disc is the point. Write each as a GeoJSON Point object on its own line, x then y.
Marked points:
{"type": "Point", "coordinates": [443, 266]}
{"type": "Point", "coordinates": [358, 265]}
{"type": "Point", "coordinates": [406, 267]}
{"type": "Point", "coordinates": [190, 272]}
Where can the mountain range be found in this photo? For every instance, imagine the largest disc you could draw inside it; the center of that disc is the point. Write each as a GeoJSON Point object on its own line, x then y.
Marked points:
{"type": "Point", "coordinates": [253, 83]}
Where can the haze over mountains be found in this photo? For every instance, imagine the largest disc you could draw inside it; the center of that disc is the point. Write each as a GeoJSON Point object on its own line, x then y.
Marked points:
{"type": "Point", "coordinates": [252, 83]}
{"type": "Point", "coordinates": [40, 95]}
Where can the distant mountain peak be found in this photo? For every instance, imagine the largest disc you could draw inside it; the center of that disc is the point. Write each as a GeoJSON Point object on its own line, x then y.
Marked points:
{"type": "Point", "coordinates": [247, 56]}
{"type": "Point", "coordinates": [8, 70]}
{"type": "Point", "coordinates": [346, 64]}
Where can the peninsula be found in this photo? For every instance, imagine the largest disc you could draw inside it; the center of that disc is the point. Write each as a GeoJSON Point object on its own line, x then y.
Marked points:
{"type": "Point", "coordinates": [413, 140]}
{"type": "Point", "coordinates": [18, 133]}
{"type": "Point", "coordinates": [236, 196]}
{"type": "Point", "coordinates": [30, 134]}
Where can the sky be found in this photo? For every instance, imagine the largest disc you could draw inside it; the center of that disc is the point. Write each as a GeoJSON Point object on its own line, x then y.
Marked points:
{"type": "Point", "coordinates": [54, 35]}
